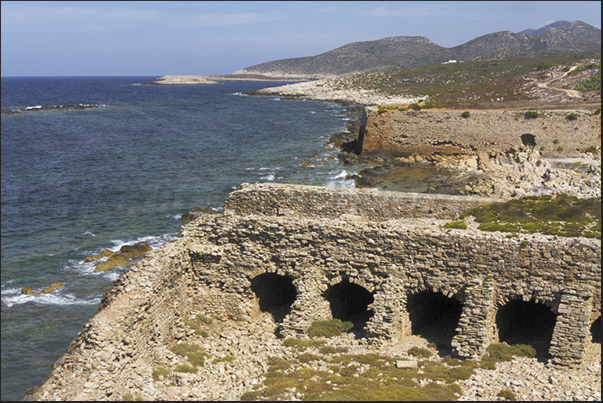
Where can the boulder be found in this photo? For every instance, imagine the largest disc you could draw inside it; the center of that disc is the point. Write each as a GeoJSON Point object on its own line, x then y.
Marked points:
{"type": "Point", "coordinates": [406, 364]}
{"type": "Point", "coordinates": [28, 291]}
{"type": "Point", "coordinates": [105, 253]}
{"type": "Point", "coordinates": [57, 285]}
{"type": "Point", "coordinates": [196, 212]}
{"type": "Point", "coordinates": [134, 251]}
{"type": "Point", "coordinates": [111, 263]}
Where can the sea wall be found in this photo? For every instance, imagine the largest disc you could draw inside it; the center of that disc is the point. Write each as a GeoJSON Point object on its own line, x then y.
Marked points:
{"type": "Point", "coordinates": [433, 131]}
{"type": "Point", "coordinates": [305, 267]}
{"type": "Point", "coordinates": [367, 204]}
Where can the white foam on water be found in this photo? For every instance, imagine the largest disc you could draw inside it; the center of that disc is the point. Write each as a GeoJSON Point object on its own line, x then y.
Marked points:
{"type": "Point", "coordinates": [267, 177]}
{"type": "Point", "coordinates": [13, 296]}
{"type": "Point", "coordinates": [339, 181]}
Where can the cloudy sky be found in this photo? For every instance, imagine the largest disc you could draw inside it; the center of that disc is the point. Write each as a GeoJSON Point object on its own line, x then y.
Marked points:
{"type": "Point", "coordinates": [146, 38]}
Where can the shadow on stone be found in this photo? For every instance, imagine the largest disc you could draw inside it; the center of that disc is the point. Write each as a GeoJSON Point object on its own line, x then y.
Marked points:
{"type": "Point", "coordinates": [434, 317]}
{"type": "Point", "coordinates": [349, 302]}
{"type": "Point", "coordinates": [595, 331]}
{"type": "Point", "coordinates": [276, 293]}
{"type": "Point", "coordinates": [526, 322]}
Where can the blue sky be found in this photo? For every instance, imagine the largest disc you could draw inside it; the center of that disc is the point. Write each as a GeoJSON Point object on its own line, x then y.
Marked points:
{"type": "Point", "coordinates": [87, 38]}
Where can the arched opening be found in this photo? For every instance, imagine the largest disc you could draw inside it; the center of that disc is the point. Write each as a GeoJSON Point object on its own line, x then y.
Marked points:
{"type": "Point", "coordinates": [526, 322]}
{"type": "Point", "coordinates": [595, 331]}
{"type": "Point", "coordinates": [276, 293]}
{"type": "Point", "coordinates": [434, 317]}
{"type": "Point", "coordinates": [528, 140]}
{"type": "Point", "coordinates": [349, 302]}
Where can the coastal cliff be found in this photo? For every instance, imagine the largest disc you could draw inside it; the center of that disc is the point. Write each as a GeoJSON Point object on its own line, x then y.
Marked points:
{"type": "Point", "coordinates": [448, 132]}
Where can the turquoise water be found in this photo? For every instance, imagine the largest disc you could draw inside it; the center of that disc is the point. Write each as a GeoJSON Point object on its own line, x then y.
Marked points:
{"type": "Point", "coordinates": [75, 182]}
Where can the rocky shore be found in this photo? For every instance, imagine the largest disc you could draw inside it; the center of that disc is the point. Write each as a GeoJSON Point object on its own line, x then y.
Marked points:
{"type": "Point", "coordinates": [329, 90]}
{"type": "Point", "coordinates": [216, 79]}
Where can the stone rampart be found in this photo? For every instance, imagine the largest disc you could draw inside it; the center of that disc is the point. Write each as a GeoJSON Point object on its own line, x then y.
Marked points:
{"type": "Point", "coordinates": [429, 131]}
{"type": "Point", "coordinates": [366, 204]}
{"type": "Point", "coordinates": [381, 274]}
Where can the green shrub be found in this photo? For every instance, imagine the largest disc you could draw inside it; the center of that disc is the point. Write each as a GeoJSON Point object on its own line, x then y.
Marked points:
{"type": "Point", "coordinates": [465, 114]}
{"type": "Point", "coordinates": [329, 328]}
{"type": "Point", "coordinates": [591, 84]}
{"type": "Point", "coordinates": [597, 112]}
{"type": "Point", "coordinates": [158, 372]}
{"type": "Point", "coordinates": [226, 358]}
{"type": "Point", "coordinates": [593, 150]}
{"type": "Point", "coordinates": [185, 368]}
{"type": "Point", "coordinates": [250, 396]}
{"type": "Point", "coordinates": [572, 116]}
{"type": "Point", "coordinates": [507, 394]}
{"type": "Point", "coordinates": [419, 352]}
{"type": "Point", "coordinates": [531, 115]}
{"type": "Point", "coordinates": [456, 225]}
{"type": "Point", "coordinates": [500, 352]}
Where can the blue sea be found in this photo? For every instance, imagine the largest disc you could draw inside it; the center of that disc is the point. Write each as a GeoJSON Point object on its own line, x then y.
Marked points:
{"type": "Point", "coordinates": [76, 182]}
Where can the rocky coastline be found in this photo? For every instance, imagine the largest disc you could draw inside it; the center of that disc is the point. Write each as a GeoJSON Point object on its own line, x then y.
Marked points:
{"type": "Point", "coordinates": [238, 352]}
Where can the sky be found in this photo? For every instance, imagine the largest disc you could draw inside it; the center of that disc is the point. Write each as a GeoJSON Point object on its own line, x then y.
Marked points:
{"type": "Point", "coordinates": [155, 38]}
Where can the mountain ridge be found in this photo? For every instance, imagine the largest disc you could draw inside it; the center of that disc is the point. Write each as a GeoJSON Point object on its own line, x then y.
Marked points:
{"type": "Point", "coordinates": [402, 52]}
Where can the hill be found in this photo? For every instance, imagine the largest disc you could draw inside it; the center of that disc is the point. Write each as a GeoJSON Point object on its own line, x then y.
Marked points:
{"type": "Point", "coordinates": [404, 52]}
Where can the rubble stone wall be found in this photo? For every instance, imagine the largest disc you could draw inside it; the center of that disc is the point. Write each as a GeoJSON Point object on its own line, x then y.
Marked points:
{"type": "Point", "coordinates": [211, 268]}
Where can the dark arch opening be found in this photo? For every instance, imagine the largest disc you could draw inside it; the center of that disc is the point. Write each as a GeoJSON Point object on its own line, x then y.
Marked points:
{"type": "Point", "coordinates": [526, 322]}
{"type": "Point", "coordinates": [349, 302]}
{"type": "Point", "coordinates": [276, 293]}
{"type": "Point", "coordinates": [595, 331]}
{"type": "Point", "coordinates": [528, 140]}
{"type": "Point", "coordinates": [434, 317]}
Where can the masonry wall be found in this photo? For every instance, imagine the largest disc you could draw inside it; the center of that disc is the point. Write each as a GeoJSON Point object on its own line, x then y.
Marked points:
{"type": "Point", "coordinates": [430, 131]}
{"type": "Point", "coordinates": [367, 204]}
{"type": "Point", "coordinates": [142, 314]}
{"type": "Point", "coordinates": [211, 268]}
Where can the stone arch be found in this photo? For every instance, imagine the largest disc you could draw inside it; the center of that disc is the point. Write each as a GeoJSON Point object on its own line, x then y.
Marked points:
{"type": "Point", "coordinates": [350, 302]}
{"type": "Point", "coordinates": [526, 322]}
{"type": "Point", "coordinates": [595, 331]}
{"type": "Point", "coordinates": [528, 140]}
{"type": "Point", "coordinates": [434, 316]}
{"type": "Point", "coordinates": [275, 292]}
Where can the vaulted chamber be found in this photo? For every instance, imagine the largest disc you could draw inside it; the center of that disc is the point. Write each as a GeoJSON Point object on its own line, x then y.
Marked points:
{"type": "Point", "coordinates": [434, 316]}
{"type": "Point", "coordinates": [349, 302]}
{"type": "Point", "coordinates": [526, 322]}
{"type": "Point", "coordinates": [276, 294]}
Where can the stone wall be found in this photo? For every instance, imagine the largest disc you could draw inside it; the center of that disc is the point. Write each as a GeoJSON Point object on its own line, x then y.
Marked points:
{"type": "Point", "coordinates": [402, 133]}
{"type": "Point", "coordinates": [212, 269]}
{"type": "Point", "coordinates": [367, 204]}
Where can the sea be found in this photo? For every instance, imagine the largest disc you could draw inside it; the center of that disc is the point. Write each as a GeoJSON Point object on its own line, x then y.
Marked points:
{"type": "Point", "coordinates": [94, 163]}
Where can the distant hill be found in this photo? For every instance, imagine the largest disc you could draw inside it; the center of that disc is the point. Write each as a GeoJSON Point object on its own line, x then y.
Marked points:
{"type": "Point", "coordinates": [402, 52]}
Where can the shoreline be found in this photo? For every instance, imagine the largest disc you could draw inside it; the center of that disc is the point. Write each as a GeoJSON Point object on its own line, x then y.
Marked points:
{"type": "Point", "coordinates": [217, 79]}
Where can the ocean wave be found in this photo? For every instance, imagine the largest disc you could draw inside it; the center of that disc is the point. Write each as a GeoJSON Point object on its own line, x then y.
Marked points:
{"type": "Point", "coordinates": [50, 108]}
{"type": "Point", "coordinates": [340, 181]}
{"type": "Point", "coordinates": [154, 241]}
{"type": "Point", "coordinates": [13, 296]}
{"type": "Point", "coordinates": [267, 177]}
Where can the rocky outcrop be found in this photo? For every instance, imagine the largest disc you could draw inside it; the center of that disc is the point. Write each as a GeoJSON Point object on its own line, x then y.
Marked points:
{"type": "Point", "coordinates": [433, 131]}
{"type": "Point", "coordinates": [124, 257]}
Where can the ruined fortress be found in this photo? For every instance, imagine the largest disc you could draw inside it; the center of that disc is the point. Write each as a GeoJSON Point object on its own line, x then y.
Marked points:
{"type": "Point", "coordinates": [379, 259]}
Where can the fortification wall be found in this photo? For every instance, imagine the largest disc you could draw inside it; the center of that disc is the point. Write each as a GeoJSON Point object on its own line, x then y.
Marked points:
{"type": "Point", "coordinates": [216, 268]}
{"type": "Point", "coordinates": [402, 133]}
{"type": "Point", "coordinates": [367, 204]}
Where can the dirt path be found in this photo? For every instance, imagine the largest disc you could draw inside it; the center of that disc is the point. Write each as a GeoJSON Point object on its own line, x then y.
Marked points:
{"type": "Point", "coordinates": [570, 93]}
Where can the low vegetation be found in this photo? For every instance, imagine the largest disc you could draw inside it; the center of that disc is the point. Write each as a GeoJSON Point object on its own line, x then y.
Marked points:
{"type": "Point", "coordinates": [192, 352]}
{"type": "Point", "coordinates": [591, 84]}
{"type": "Point", "coordinates": [456, 225]}
{"type": "Point", "coordinates": [346, 377]}
{"type": "Point", "coordinates": [329, 328]}
{"type": "Point", "coordinates": [562, 215]}
{"type": "Point", "coordinates": [468, 83]}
